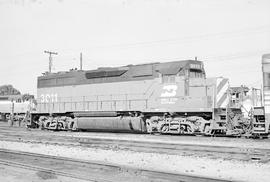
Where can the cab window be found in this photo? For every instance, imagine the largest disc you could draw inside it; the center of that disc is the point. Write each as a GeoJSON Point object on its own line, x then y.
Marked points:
{"type": "Point", "coordinates": [195, 74]}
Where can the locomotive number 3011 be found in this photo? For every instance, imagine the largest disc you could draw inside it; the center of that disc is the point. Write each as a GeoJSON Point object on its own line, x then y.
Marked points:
{"type": "Point", "coordinates": [48, 98]}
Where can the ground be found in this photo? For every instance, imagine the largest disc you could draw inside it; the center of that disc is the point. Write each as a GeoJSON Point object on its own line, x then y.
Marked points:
{"type": "Point", "coordinates": [188, 163]}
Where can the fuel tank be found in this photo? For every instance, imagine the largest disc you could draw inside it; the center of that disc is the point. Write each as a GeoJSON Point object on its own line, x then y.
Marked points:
{"type": "Point", "coordinates": [112, 124]}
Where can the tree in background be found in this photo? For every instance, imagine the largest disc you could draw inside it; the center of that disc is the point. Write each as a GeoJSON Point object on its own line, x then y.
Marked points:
{"type": "Point", "coordinates": [28, 97]}
{"type": "Point", "coordinates": [13, 93]}
{"type": "Point", "coordinates": [9, 90]}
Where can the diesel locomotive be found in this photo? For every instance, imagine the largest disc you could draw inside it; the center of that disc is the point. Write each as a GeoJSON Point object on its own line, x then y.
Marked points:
{"type": "Point", "coordinates": [172, 97]}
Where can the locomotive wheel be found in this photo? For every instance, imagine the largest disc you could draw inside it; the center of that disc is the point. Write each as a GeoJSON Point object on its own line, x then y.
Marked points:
{"type": "Point", "coordinates": [185, 129]}
{"type": "Point", "coordinates": [60, 126]}
{"type": "Point", "coordinates": [189, 129]}
{"type": "Point", "coordinates": [72, 126]}
{"type": "Point", "coordinates": [164, 128]}
{"type": "Point", "coordinates": [207, 129]}
{"type": "Point", "coordinates": [47, 125]}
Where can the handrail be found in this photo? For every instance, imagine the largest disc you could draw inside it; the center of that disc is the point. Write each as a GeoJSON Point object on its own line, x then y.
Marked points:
{"type": "Point", "coordinates": [97, 107]}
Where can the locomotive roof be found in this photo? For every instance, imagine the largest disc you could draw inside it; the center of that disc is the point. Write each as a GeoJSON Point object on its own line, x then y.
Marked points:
{"type": "Point", "coordinates": [113, 74]}
{"type": "Point", "coordinates": [266, 56]}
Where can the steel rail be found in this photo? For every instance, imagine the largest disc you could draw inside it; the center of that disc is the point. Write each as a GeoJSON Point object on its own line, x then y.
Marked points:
{"type": "Point", "coordinates": [144, 174]}
{"type": "Point", "coordinates": [226, 152]}
{"type": "Point", "coordinates": [171, 148]}
{"type": "Point", "coordinates": [46, 170]}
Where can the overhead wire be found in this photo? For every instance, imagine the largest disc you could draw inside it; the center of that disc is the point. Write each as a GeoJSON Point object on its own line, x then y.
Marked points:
{"type": "Point", "coordinates": [212, 58]}
{"type": "Point", "coordinates": [242, 32]}
{"type": "Point", "coordinates": [184, 40]}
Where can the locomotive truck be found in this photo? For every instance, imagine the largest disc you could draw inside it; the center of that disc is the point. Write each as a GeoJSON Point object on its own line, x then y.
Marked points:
{"type": "Point", "coordinates": [172, 97]}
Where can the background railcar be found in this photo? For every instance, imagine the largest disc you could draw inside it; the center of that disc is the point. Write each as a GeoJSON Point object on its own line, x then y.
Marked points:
{"type": "Point", "coordinates": [13, 105]}
{"type": "Point", "coordinates": [263, 119]}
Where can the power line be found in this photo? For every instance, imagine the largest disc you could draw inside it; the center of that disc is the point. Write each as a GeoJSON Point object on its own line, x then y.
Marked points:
{"type": "Point", "coordinates": [183, 40]}
{"type": "Point", "coordinates": [234, 56]}
{"type": "Point", "coordinates": [222, 58]}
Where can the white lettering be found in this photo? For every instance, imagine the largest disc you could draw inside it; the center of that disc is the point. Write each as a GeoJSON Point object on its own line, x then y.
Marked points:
{"type": "Point", "coordinates": [169, 91]}
{"type": "Point", "coordinates": [48, 98]}
{"type": "Point", "coordinates": [42, 98]}
{"type": "Point", "coordinates": [168, 100]}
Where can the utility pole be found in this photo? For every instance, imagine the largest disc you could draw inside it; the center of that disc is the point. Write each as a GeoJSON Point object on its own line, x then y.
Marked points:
{"type": "Point", "coordinates": [80, 61]}
{"type": "Point", "coordinates": [50, 59]}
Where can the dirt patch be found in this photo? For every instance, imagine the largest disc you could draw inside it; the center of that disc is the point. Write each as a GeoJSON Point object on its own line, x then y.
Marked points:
{"type": "Point", "coordinates": [46, 175]}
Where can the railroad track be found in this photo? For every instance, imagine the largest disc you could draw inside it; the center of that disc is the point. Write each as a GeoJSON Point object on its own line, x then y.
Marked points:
{"type": "Point", "coordinates": [88, 170]}
{"type": "Point", "coordinates": [40, 169]}
{"type": "Point", "coordinates": [246, 154]}
{"type": "Point", "coordinates": [210, 151]}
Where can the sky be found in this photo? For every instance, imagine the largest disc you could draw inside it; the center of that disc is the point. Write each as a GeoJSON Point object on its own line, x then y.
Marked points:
{"type": "Point", "coordinates": [229, 36]}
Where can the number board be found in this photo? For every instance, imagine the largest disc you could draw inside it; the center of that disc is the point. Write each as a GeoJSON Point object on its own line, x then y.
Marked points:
{"type": "Point", "coordinates": [195, 66]}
